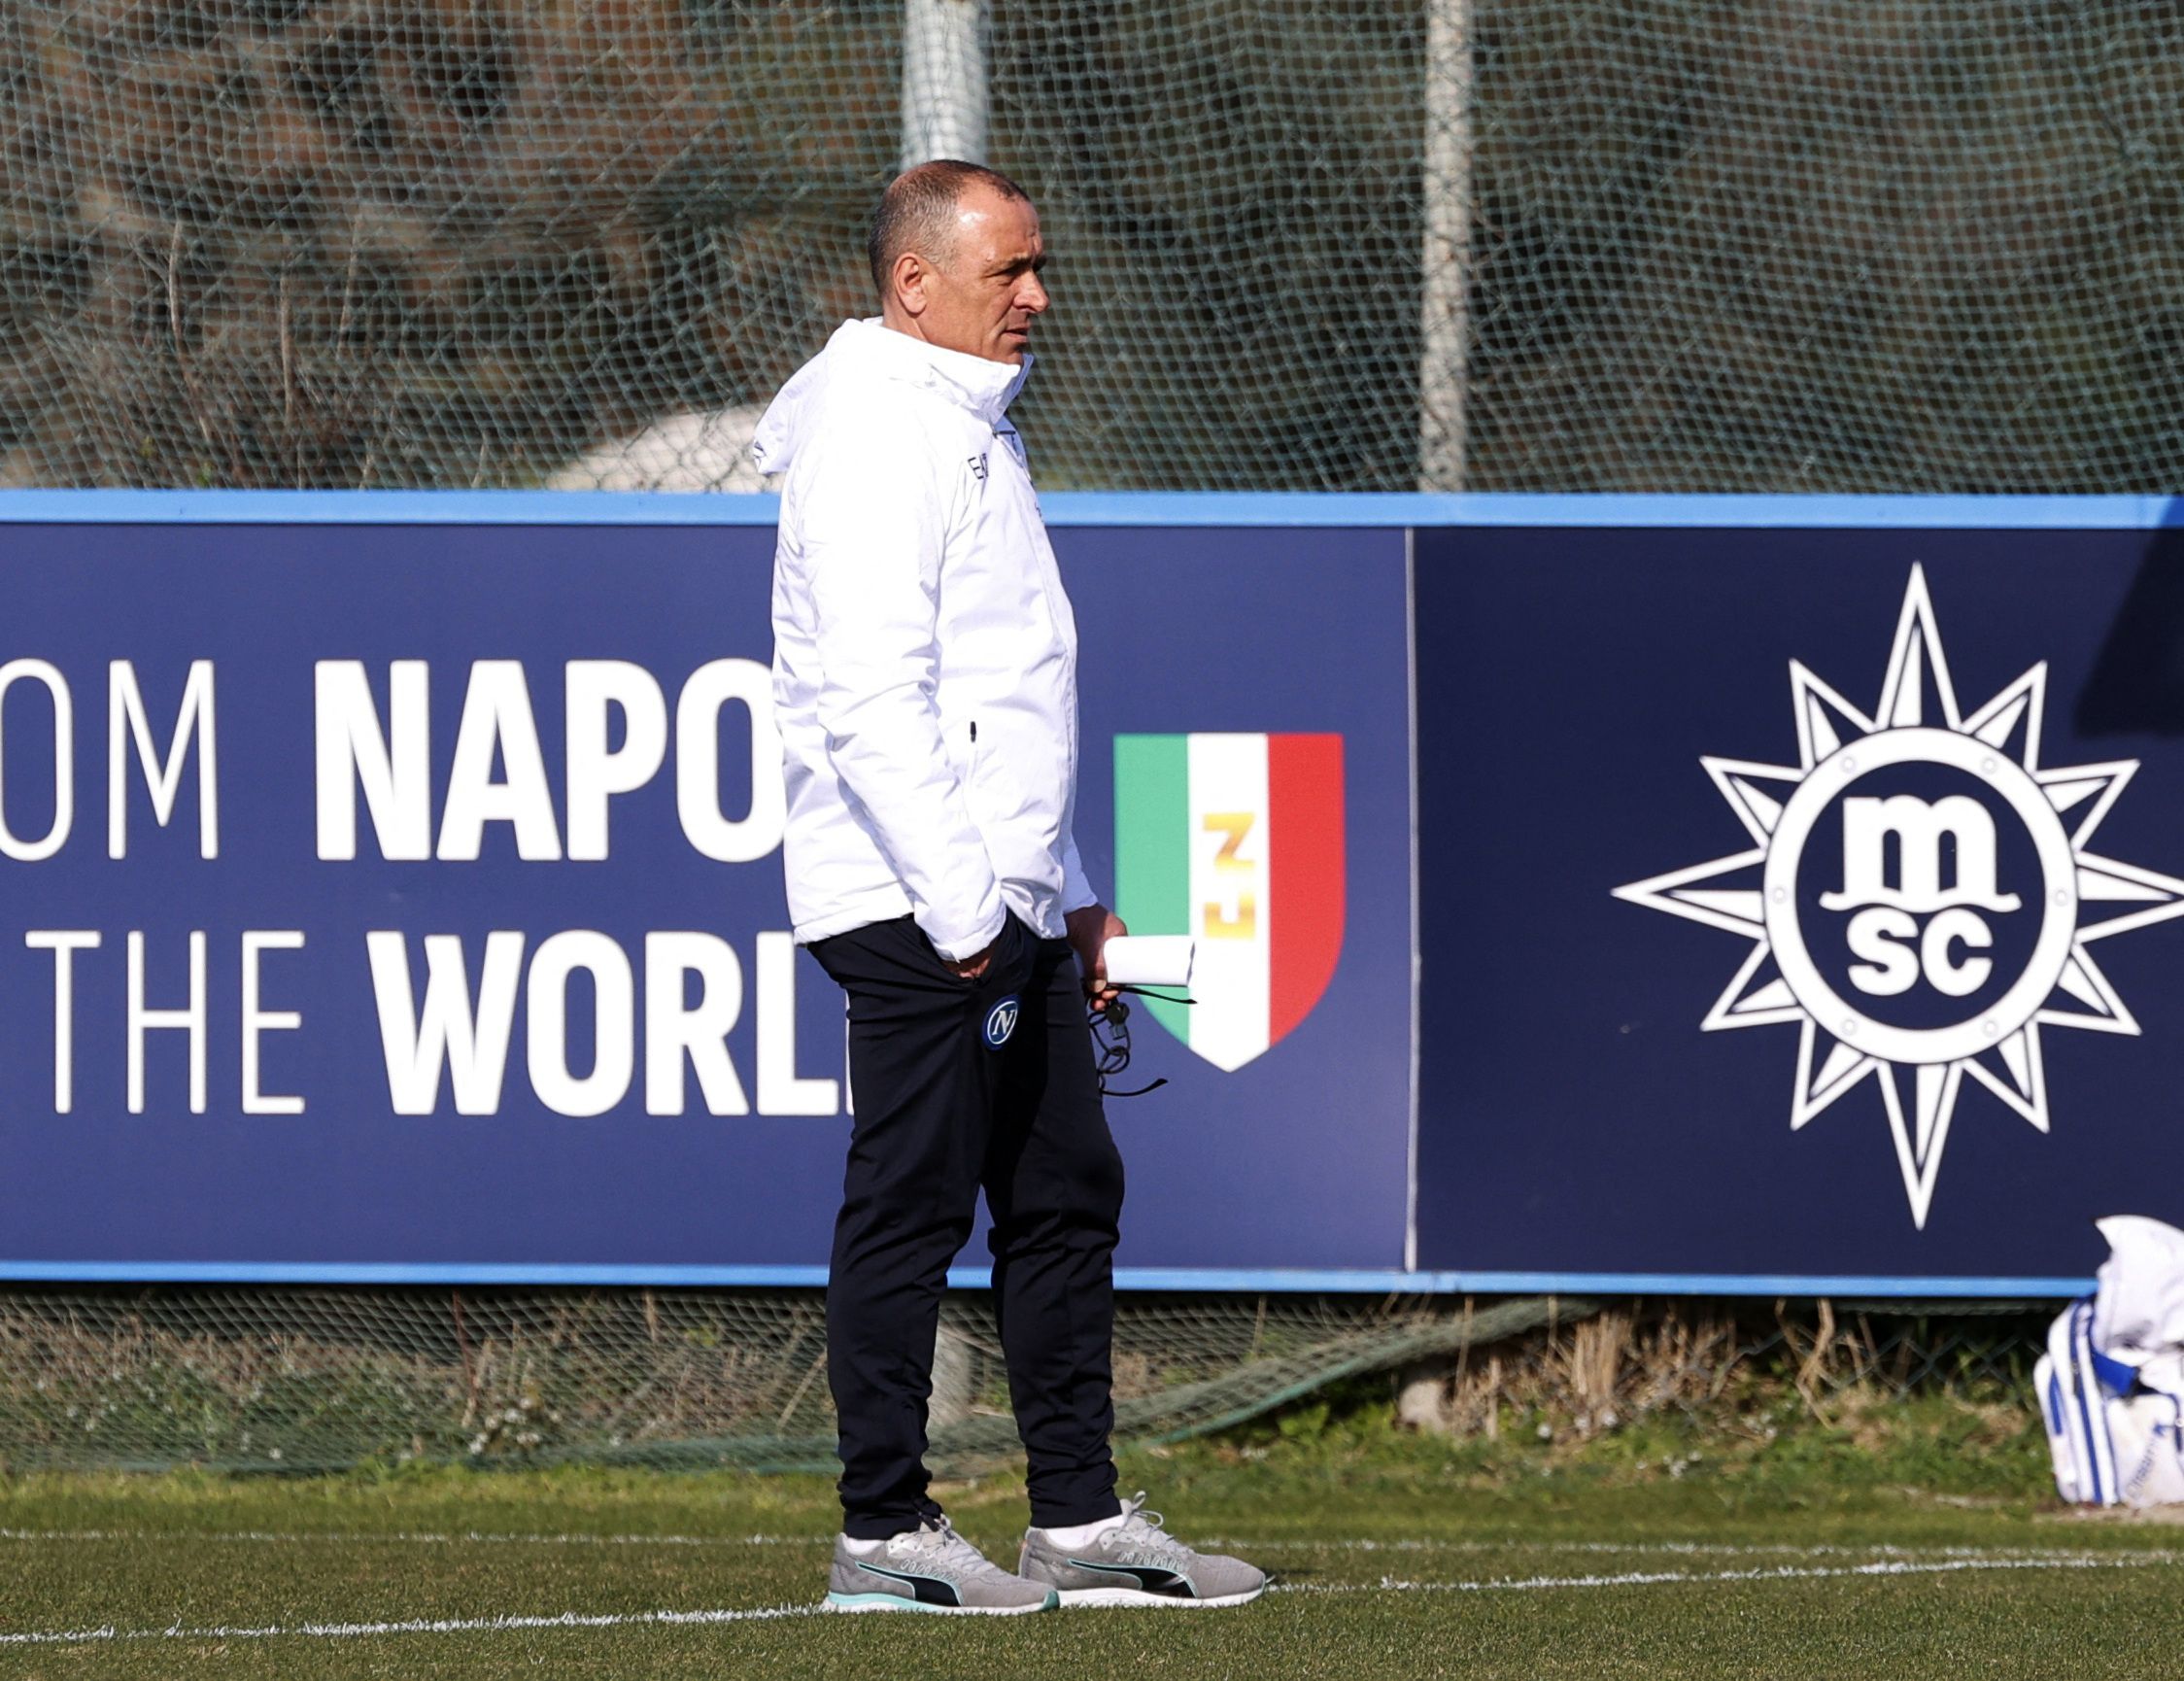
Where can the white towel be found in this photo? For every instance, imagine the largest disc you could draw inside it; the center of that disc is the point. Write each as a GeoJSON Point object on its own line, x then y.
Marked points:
{"type": "Point", "coordinates": [2111, 1384]}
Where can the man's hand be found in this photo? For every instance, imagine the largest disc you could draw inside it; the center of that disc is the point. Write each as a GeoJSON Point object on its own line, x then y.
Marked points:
{"type": "Point", "coordinates": [1090, 930]}
{"type": "Point", "coordinates": [974, 966]}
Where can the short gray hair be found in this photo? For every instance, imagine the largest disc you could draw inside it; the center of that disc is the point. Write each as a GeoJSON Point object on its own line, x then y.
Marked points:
{"type": "Point", "coordinates": [918, 210]}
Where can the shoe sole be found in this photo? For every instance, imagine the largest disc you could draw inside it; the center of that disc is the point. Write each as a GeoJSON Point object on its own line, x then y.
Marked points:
{"type": "Point", "coordinates": [1135, 1596]}
{"type": "Point", "coordinates": [855, 1602]}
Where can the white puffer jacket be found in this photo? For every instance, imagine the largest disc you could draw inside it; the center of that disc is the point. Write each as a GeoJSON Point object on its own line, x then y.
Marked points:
{"type": "Point", "coordinates": [924, 653]}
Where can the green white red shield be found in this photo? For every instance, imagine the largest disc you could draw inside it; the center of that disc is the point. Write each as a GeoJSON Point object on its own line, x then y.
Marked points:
{"type": "Point", "coordinates": [1236, 840]}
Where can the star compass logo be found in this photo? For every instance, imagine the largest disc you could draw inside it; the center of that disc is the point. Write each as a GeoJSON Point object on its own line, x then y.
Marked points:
{"type": "Point", "coordinates": [1920, 895]}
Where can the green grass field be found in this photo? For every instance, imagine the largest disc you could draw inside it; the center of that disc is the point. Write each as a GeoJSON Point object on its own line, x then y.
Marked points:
{"type": "Point", "coordinates": [1922, 1543]}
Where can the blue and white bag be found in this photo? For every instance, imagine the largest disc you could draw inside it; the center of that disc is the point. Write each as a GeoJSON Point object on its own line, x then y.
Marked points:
{"type": "Point", "coordinates": [2111, 1384]}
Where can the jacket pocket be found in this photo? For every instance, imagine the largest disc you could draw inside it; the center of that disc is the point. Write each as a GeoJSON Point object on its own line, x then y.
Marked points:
{"type": "Point", "coordinates": [972, 766]}
{"type": "Point", "coordinates": [991, 787]}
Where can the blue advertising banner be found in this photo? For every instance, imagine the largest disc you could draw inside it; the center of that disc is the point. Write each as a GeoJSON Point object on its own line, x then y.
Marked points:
{"type": "Point", "coordinates": [404, 900]}
{"type": "Point", "coordinates": [394, 890]}
{"type": "Point", "coordinates": [1799, 904]}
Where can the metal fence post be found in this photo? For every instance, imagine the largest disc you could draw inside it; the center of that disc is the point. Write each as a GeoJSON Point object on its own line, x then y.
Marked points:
{"type": "Point", "coordinates": [944, 103]}
{"type": "Point", "coordinates": [1444, 303]}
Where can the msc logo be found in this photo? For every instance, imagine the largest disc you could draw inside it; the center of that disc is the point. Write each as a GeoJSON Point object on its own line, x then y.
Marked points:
{"type": "Point", "coordinates": [1954, 831]}
{"type": "Point", "coordinates": [1920, 895]}
{"type": "Point", "coordinates": [1000, 1021]}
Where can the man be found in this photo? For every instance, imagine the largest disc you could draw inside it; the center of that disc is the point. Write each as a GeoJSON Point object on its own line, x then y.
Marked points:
{"type": "Point", "coordinates": [925, 687]}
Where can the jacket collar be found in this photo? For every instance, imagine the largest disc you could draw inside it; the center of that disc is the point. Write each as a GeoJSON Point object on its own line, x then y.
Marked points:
{"type": "Point", "coordinates": [984, 387]}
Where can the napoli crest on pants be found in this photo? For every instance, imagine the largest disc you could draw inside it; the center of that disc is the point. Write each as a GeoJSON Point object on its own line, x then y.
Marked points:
{"type": "Point", "coordinates": [1921, 897]}
{"type": "Point", "coordinates": [1236, 840]}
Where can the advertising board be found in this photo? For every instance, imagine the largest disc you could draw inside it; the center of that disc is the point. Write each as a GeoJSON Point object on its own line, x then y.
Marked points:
{"type": "Point", "coordinates": [405, 901]}
{"type": "Point", "coordinates": [1800, 906]}
{"type": "Point", "coordinates": [1777, 896]}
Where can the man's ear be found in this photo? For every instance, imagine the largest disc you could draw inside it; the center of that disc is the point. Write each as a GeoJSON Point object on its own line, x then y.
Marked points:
{"type": "Point", "coordinates": [909, 276]}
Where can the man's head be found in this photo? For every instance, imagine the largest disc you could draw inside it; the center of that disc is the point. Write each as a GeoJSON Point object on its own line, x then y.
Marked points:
{"type": "Point", "coordinates": [956, 256]}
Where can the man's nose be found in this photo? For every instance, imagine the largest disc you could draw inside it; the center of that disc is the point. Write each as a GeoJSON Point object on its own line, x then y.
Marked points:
{"type": "Point", "coordinates": [1032, 297]}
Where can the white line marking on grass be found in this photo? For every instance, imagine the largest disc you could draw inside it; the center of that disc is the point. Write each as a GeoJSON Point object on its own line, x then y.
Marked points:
{"type": "Point", "coordinates": [781, 1613]}
{"type": "Point", "coordinates": [414, 1537]}
{"type": "Point", "coordinates": [1676, 1549]}
{"type": "Point", "coordinates": [1302, 1544]}
{"type": "Point", "coordinates": [1781, 1573]}
{"type": "Point", "coordinates": [422, 1626]}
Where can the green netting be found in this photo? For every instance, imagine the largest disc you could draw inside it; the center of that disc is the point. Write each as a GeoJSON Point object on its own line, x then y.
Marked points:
{"type": "Point", "coordinates": [299, 1380]}
{"type": "Point", "coordinates": [1908, 245]}
{"type": "Point", "coordinates": [291, 1379]}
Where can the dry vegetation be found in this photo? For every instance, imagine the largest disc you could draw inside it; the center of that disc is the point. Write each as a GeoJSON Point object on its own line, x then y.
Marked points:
{"type": "Point", "coordinates": [1739, 1369]}
{"type": "Point", "coordinates": [299, 1378]}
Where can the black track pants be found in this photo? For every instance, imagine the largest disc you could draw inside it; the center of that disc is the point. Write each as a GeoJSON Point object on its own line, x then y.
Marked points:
{"type": "Point", "coordinates": [941, 1112]}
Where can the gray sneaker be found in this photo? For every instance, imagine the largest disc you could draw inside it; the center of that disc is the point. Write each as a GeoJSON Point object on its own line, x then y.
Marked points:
{"type": "Point", "coordinates": [1137, 1562]}
{"type": "Point", "coordinates": [931, 1568]}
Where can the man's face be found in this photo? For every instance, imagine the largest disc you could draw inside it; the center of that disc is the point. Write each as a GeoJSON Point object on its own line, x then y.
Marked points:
{"type": "Point", "coordinates": [981, 297]}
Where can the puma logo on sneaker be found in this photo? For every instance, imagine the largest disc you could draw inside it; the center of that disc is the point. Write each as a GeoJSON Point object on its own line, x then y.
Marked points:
{"type": "Point", "coordinates": [930, 1569]}
{"type": "Point", "coordinates": [1136, 1562]}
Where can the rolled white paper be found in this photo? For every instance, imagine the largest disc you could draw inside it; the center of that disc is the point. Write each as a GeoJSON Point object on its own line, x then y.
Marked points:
{"type": "Point", "coordinates": [1150, 959]}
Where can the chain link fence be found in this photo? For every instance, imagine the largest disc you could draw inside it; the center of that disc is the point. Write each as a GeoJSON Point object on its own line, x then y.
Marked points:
{"type": "Point", "coordinates": [1530, 245]}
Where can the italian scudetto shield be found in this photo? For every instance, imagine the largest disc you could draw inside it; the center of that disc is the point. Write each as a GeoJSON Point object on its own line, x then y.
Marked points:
{"type": "Point", "coordinates": [1236, 840]}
